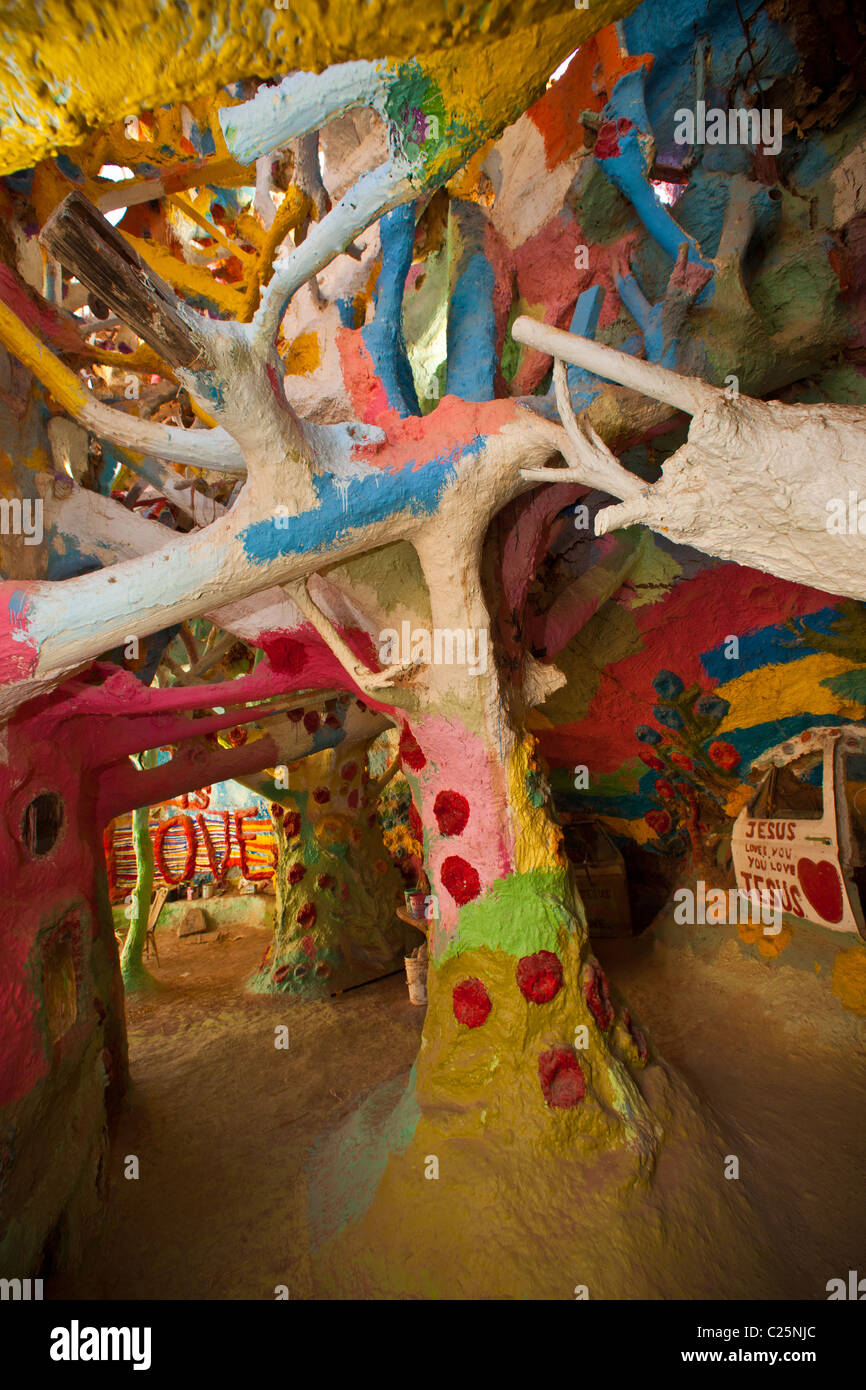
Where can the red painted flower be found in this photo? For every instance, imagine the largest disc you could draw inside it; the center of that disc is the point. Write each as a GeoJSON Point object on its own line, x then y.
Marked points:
{"type": "Point", "coordinates": [308, 946]}
{"type": "Point", "coordinates": [562, 1079]}
{"type": "Point", "coordinates": [332, 721]}
{"type": "Point", "coordinates": [296, 873]}
{"type": "Point", "coordinates": [607, 143]}
{"type": "Point", "coordinates": [410, 752]}
{"type": "Point", "coordinates": [296, 715]}
{"type": "Point", "coordinates": [311, 721]}
{"type": "Point", "coordinates": [291, 824]}
{"type": "Point", "coordinates": [372, 818]}
{"type": "Point", "coordinates": [451, 811]}
{"type": "Point", "coordinates": [664, 789]}
{"type": "Point", "coordinates": [344, 893]}
{"type": "Point", "coordinates": [682, 761]}
{"type": "Point", "coordinates": [415, 823]}
{"type": "Point", "coordinates": [652, 761]}
{"type": "Point", "coordinates": [724, 755]}
{"type": "Point", "coordinates": [349, 771]}
{"type": "Point", "coordinates": [307, 915]}
{"type": "Point", "coordinates": [460, 879]}
{"type": "Point", "coordinates": [237, 736]}
{"type": "Point", "coordinates": [352, 799]}
{"type": "Point", "coordinates": [325, 881]}
{"type": "Point", "coordinates": [280, 974]}
{"type": "Point", "coordinates": [321, 795]}
{"type": "Point", "coordinates": [659, 821]}
{"type": "Point", "coordinates": [471, 1003]}
{"type": "Point", "coordinates": [596, 992]}
{"type": "Point", "coordinates": [539, 977]}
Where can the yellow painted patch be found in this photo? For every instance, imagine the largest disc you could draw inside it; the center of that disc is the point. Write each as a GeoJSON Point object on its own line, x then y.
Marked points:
{"type": "Point", "coordinates": [304, 355]}
{"type": "Point", "coordinates": [783, 692]}
{"type": "Point", "coordinates": [849, 978]}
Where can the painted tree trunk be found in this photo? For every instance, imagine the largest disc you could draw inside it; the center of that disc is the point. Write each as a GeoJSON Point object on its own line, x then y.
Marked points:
{"type": "Point", "coordinates": [336, 885]}
{"type": "Point", "coordinates": [521, 1031]}
{"type": "Point", "coordinates": [135, 974]}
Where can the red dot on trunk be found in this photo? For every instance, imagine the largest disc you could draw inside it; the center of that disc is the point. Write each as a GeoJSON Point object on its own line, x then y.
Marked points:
{"type": "Point", "coordinates": [307, 915]}
{"type": "Point", "coordinates": [349, 771]}
{"type": "Point", "coordinates": [291, 824]}
{"type": "Point", "coordinates": [539, 977]}
{"type": "Point", "coordinates": [562, 1079]}
{"type": "Point", "coordinates": [415, 823]}
{"type": "Point", "coordinates": [296, 715]}
{"type": "Point", "coordinates": [460, 879]}
{"type": "Point", "coordinates": [410, 752]}
{"type": "Point", "coordinates": [352, 799]}
{"type": "Point", "coordinates": [597, 995]}
{"type": "Point", "coordinates": [311, 721]}
{"type": "Point", "coordinates": [321, 795]}
{"type": "Point", "coordinates": [296, 873]}
{"type": "Point", "coordinates": [471, 1003]}
{"type": "Point", "coordinates": [451, 811]}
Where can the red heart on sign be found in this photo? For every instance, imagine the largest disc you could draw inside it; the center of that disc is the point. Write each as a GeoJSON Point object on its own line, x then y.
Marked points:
{"type": "Point", "coordinates": [823, 888]}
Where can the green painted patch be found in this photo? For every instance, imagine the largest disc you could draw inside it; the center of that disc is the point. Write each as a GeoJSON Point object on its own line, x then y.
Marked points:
{"type": "Point", "coordinates": [520, 914]}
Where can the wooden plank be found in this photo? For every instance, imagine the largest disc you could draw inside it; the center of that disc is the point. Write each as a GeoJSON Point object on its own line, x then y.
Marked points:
{"type": "Point", "coordinates": [86, 243]}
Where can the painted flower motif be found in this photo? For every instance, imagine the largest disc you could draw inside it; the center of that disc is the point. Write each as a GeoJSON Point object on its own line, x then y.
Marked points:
{"type": "Point", "coordinates": [539, 977]}
{"type": "Point", "coordinates": [724, 755]}
{"type": "Point", "coordinates": [307, 915]}
{"type": "Point", "coordinates": [471, 1003]}
{"type": "Point", "coordinates": [712, 707]}
{"type": "Point", "coordinates": [460, 879]}
{"type": "Point", "coordinates": [349, 771]}
{"type": "Point", "coordinates": [652, 761]}
{"type": "Point", "coordinates": [682, 761]}
{"type": "Point", "coordinates": [237, 736]}
{"type": "Point", "coordinates": [451, 810]}
{"type": "Point", "coordinates": [296, 873]}
{"type": "Point", "coordinates": [668, 685]}
{"type": "Point", "coordinates": [664, 789]}
{"type": "Point", "coordinates": [646, 734]}
{"type": "Point", "coordinates": [321, 795]}
{"type": "Point", "coordinates": [671, 718]}
{"type": "Point", "coordinates": [659, 821]}
{"type": "Point", "coordinates": [311, 721]}
{"type": "Point", "coordinates": [561, 1075]}
{"type": "Point", "coordinates": [324, 882]}
{"type": "Point", "coordinates": [291, 824]}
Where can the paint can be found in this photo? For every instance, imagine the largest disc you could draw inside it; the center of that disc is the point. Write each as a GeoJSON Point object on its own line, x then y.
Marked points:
{"type": "Point", "coordinates": [416, 975]}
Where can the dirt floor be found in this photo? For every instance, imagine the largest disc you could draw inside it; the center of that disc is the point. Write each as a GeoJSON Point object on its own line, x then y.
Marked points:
{"type": "Point", "coordinates": [222, 1121]}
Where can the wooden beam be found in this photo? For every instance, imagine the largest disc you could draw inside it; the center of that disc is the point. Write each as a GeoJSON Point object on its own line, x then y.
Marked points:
{"type": "Point", "coordinates": [85, 242]}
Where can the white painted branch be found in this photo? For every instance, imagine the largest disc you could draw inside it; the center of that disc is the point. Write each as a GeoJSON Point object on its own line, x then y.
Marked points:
{"type": "Point", "coordinates": [590, 460]}
{"type": "Point", "coordinates": [375, 193]}
{"type": "Point", "coordinates": [368, 680]}
{"type": "Point", "coordinates": [299, 104]}
{"type": "Point", "coordinates": [213, 448]}
{"type": "Point", "coordinates": [682, 392]}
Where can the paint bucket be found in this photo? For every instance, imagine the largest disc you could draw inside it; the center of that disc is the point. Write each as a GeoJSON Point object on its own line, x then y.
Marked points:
{"type": "Point", "coordinates": [415, 904]}
{"type": "Point", "coordinates": [191, 892]}
{"type": "Point", "coordinates": [416, 975]}
{"type": "Point", "coordinates": [207, 890]}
